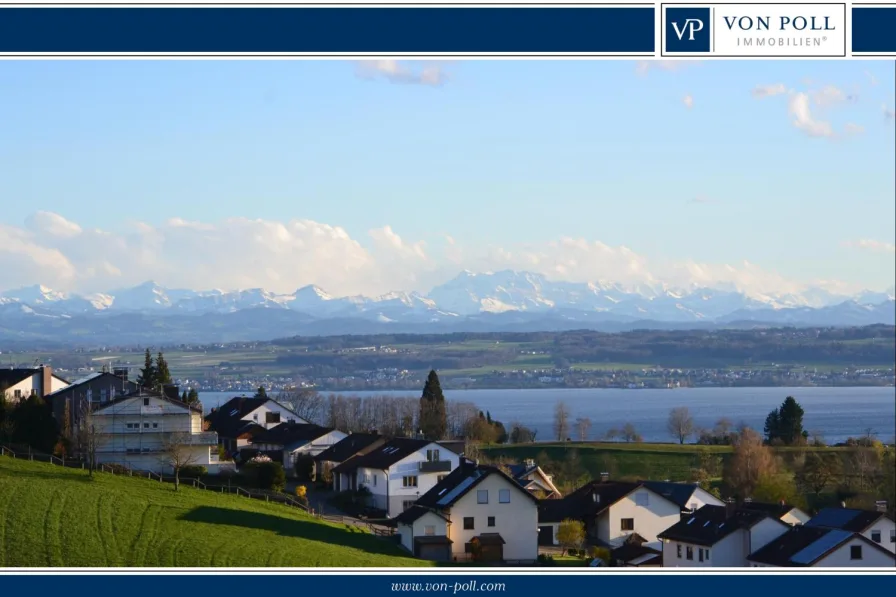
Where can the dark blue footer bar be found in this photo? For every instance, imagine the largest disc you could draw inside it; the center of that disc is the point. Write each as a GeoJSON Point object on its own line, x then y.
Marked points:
{"type": "Point", "coordinates": [874, 29]}
{"type": "Point", "coordinates": [348, 30]}
{"type": "Point", "coordinates": [594, 581]}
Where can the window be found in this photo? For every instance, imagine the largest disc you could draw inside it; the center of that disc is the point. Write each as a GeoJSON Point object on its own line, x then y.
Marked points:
{"type": "Point", "coordinates": [690, 553]}
{"type": "Point", "coordinates": [432, 455]}
{"type": "Point", "coordinates": [482, 496]}
{"type": "Point", "coordinates": [374, 480]}
{"type": "Point", "coordinates": [155, 425]}
{"type": "Point", "coordinates": [700, 554]}
{"type": "Point", "coordinates": [429, 530]}
{"type": "Point", "coordinates": [33, 392]}
{"type": "Point", "coordinates": [875, 536]}
{"type": "Point", "coordinates": [468, 523]}
{"type": "Point", "coordinates": [255, 417]}
{"type": "Point", "coordinates": [678, 549]}
{"type": "Point", "coordinates": [104, 394]}
{"type": "Point", "coordinates": [892, 535]}
{"type": "Point", "coordinates": [410, 481]}
{"type": "Point", "coordinates": [642, 499]}
{"type": "Point", "coordinates": [491, 521]}
{"type": "Point", "coordinates": [855, 552]}
{"type": "Point", "coordinates": [17, 393]}
{"type": "Point", "coordinates": [146, 402]}
{"type": "Point", "coordinates": [504, 496]}
{"type": "Point", "coordinates": [146, 425]}
{"type": "Point", "coordinates": [270, 417]}
{"type": "Point", "coordinates": [407, 504]}
{"type": "Point", "coordinates": [628, 524]}
{"type": "Point", "coordinates": [707, 554]}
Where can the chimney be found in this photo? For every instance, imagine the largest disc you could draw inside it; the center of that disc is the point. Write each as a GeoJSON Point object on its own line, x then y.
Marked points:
{"type": "Point", "coordinates": [881, 505]}
{"type": "Point", "coordinates": [172, 392]}
{"type": "Point", "coordinates": [529, 463]}
{"type": "Point", "coordinates": [121, 373]}
{"type": "Point", "coordinates": [604, 477]}
{"type": "Point", "coordinates": [842, 504]}
{"type": "Point", "coordinates": [46, 380]}
{"type": "Point", "coordinates": [748, 500]}
{"type": "Point", "coordinates": [730, 507]}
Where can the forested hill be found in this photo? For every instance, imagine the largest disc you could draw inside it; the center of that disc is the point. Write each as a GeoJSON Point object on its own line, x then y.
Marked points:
{"type": "Point", "coordinates": [870, 345]}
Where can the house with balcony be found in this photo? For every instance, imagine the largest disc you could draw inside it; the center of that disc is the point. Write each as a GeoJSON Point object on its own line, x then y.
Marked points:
{"type": "Point", "coordinates": [241, 418]}
{"type": "Point", "coordinates": [19, 384]}
{"type": "Point", "coordinates": [98, 388]}
{"type": "Point", "coordinates": [718, 537]}
{"type": "Point", "coordinates": [611, 511]}
{"type": "Point", "coordinates": [287, 442]}
{"type": "Point", "coordinates": [140, 431]}
{"type": "Point", "coordinates": [355, 444]}
{"type": "Point", "coordinates": [533, 479]}
{"type": "Point", "coordinates": [875, 526]}
{"type": "Point", "coordinates": [476, 513]}
{"type": "Point", "coordinates": [805, 546]}
{"type": "Point", "coordinates": [397, 473]}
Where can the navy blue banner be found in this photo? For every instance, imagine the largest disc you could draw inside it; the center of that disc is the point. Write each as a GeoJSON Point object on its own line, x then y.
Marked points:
{"type": "Point", "coordinates": [348, 30]}
{"type": "Point", "coordinates": [874, 29]}
{"type": "Point", "coordinates": [591, 580]}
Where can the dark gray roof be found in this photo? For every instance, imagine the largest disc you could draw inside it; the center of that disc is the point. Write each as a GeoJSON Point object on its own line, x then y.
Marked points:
{"type": "Point", "coordinates": [150, 394]}
{"type": "Point", "coordinates": [415, 513]}
{"type": "Point", "coordinates": [803, 546]}
{"type": "Point", "coordinates": [847, 519]}
{"type": "Point", "coordinates": [587, 501]}
{"type": "Point", "coordinates": [385, 456]}
{"type": "Point", "coordinates": [460, 482]}
{"type": "Point", "coordinates": [10, 377]}
{"type": "Point", "coordinates": [772, 509]}
{"type": "Point", "coordinates": [711, 524]}
{"type": "Point", "coordinates": [227, 419]}
{"type": "Point", "coordinates": [677, 493]}
{"type": "Point", "coordinates": [356, 443]}
{"type": "Point", "coordinates": [291, 434]}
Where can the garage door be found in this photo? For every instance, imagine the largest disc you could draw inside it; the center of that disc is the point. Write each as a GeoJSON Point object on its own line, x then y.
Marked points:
{"type": "Point", "coordinates": [437, 553]}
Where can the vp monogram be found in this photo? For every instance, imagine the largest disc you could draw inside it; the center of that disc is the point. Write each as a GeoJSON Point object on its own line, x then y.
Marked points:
{"type": "Point", "coordinates": [691, 26]}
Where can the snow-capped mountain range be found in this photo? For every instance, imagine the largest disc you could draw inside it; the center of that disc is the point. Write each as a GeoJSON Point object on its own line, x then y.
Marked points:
{"type": "Point", "coordinates": [469, 302]}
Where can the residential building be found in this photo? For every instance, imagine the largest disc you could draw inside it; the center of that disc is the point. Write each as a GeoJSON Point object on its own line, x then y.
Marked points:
{"type": "Point", "coordinates": [634, 553]}
{"type": "Point", "coordinates": [142, 431]}
{"type": "Point", "coordinates": [690, 497]}
{"type": "Point", "coordinates": [477, 512]}
{"type": "Point", "coordinates": [718, 537]}
{"type": "Point", "coordinates": [22, 383]}
{"type": "Point", "coordinates": [533, 479]}
{"type": "Point", "coordinates": [821, 547]}
{"type": "Point", "coordinates": [98, 388]}
{"type": "Point", "coordinates": [874, 526]}
{"type": "Point", "coordinates": [397, 473]}
{"type": "Point", "coordinates": [355, 444]}
{"type": "Point", "coordinates": [239, 419]}
{"type": "Point", "coordinates": [782, 511]}
{"type": "Point", "coordinates": [611, 511]}
{"type": "Point", "coordinates": [287, 442]}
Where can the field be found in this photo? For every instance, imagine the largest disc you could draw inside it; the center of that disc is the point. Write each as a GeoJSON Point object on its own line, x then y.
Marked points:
{"type": "Point", "coordinates": [622, 460]}
{"type": "Point", "coordinates": [50, 516]}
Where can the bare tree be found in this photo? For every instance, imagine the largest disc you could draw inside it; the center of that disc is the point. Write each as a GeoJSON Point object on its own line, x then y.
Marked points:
{"type": "Point", "coordinates": [88, 435]}
{"type": "Point", "coordinates": [583, 426]}
{"type": "Point", "coordinates": [561, 421]}
{"type": "Point", "coordinates": [750, 464]}
{"type": "Point", "coordinates": [177, 453]}
{"type": "Point", "coordinates": [680, 424]}
{"type": "Point", "coordinates": [305, 402]}
{"type": "Point", "coordinates": [630, 434]}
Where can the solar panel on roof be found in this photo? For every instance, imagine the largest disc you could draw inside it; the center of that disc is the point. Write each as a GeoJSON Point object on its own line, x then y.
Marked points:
{"type": "Point", "coordinates": [834, 518]}
{"type": "Point", "coordinates": [821, 546]}
{"type": "Point", "coordinates": [456, 491]}
{"type": "Point", "coordinates": [691, 520]}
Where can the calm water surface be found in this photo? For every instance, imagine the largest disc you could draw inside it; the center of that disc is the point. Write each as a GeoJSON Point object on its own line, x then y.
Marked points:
{"type": "Point", "coordinates": [835, 413]}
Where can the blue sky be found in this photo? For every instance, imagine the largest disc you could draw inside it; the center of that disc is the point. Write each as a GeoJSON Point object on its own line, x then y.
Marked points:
{"type": "Point", "coordinates": [499, 155]}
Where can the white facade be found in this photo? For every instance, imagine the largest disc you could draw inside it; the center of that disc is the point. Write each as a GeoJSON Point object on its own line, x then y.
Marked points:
{"type": "Point", "coordinates": [272, 413]}
{"type": "Point", "coordinates": [843, 557]}
{"type": "Point", "coordinates": [643, 512]}
{"type": "Point", "coordinates": [397, 488]}
{"type": "Point", "coordinates": [729, 552]}
{"type": "Point", "coordinates": [882, 532]}
{"type": "Point", "coordinates": [312, 448]}
{"type": "Point", "coordinates": [428, 525]}
{"type": "Point", "coordinates": [795, 517]}
{"type": "Point", "coordinates": [701, 498]}
{"type": "Point", "coordinates": [32, 385]}
{"type": "Point", "coordinates": [134, 432]}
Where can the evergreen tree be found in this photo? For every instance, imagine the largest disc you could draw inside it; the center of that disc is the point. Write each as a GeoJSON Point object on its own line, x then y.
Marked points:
{"type": "Point", "coordinates": [183, 396]}
{"type": "Point", "coordinates": [773, 426]}
{"type": "Point", "coordinates": [34, 424]}
{"type": "Point", "coordinates": [162, 373]}
{"type": "Point", "coordinates": [433, 413]}
{"type": "Point", "coordinates": [261, 393]}
{"type": "Point", "coordinates": [147, 376]}
{"type": "Point", "coordinates": [785, 424]}
{"type": "Point", "coordinates": [192, 396]}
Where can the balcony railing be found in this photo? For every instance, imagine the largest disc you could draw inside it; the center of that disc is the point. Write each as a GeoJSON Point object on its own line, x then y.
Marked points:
{"type": "Point", "coordinates": [435, 466]}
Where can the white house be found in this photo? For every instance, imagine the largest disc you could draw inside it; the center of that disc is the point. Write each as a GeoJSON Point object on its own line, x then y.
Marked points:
{"type": "Point", "coordinates": [475, 513]}
{"type": "Point", "coordinates": [289, 441]}
{"type": "Point", "coordinates": [782, 511]}
{"type": "Point", "coordinates": [140, 432]}
{"type": "Point", "coordinates": [22, 383]}
{"type": "Point", "coordinates": [355, 444]}
{"type": "Point", "coordinates": [718, 536]}
{"type": "Point", "coordinates": [874, 526]}
{"type": "Point", "coordinates": [536, 481]}
{"type": "Point", "coordinates": [690, 497]}
{"type": "Point", "coordinates": [821, 547]}
{"type": "Point", "coordinates": [396, 473]}
{"type": "Point", "coordinates": [611, 512]}
{"type": "Point", "coordinates": [239, 419]}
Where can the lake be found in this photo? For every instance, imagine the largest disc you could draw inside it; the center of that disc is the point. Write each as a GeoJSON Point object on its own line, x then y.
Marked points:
{"type": "Point", "coordinates": [835, 413]}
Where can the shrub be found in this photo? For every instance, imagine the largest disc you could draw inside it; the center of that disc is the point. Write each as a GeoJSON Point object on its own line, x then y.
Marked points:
{"type": "Point", "coordinates": [263, 473]}
{"type": "Point", "coordinates": [193, 471]}
{"type": "Point", "coordinates": [545, 560]}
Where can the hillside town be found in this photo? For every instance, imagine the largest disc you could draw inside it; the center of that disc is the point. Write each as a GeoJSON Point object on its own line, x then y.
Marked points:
{"type": "Point", "coordinates": [430, 487]}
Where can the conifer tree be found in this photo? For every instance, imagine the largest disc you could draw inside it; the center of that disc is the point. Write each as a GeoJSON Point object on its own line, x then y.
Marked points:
{"type": "Point", "coordinates": [433, 413]}
{"type": "Point", "coordinates": [192, 396]}
{"type": "Point", "coordinates": [162, 373]}
{"type": "Point", "coordinates": [147, 376]}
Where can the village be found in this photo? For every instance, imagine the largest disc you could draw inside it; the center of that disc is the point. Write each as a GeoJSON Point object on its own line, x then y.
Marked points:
{"type": "Point", "coordinates": [441, 498]}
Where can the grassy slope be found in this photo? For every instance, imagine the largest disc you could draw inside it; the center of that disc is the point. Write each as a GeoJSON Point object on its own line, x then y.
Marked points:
{"type": "Point", "coordinates": [50, 516]}
{"type": "Point", "coordinates": [644, 461]}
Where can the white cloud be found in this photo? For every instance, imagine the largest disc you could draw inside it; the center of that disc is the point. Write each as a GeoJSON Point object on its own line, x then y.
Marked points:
{"type": "Point", "coordinates": [688, 101]}
{"type": "Point", "coordinates": [871, 245]}
{"type": "Point", "coordinates": [761, 91]}
{"type": "Point", "coordinates": [872, 80]}
{"type": "Point", "coordinates": [831, 96]}
{"type": "Point", "coordinates": [852, 128]}
{"type": "Point", "coordinates": [645, 66]}
{"type": "Point", "coordinates": [798, 105]}
{"type": "Point", "coordinates": [282, 256]}
{"type": "Point", "coordinates": [400, 72]}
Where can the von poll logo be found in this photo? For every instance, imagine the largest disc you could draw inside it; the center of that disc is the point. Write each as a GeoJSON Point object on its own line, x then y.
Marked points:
{"type": "Point", "coordinates": [688, 29]}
